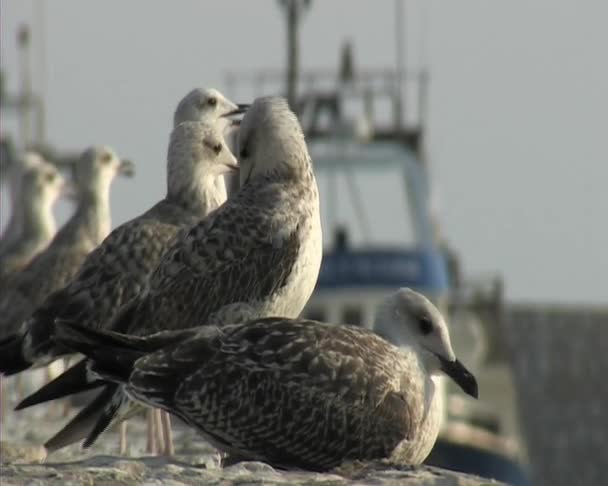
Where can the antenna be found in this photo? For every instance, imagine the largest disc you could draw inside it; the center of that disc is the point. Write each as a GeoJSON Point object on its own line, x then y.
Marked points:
{"type": "Point", "coordinates": [399, 63]}
{"type": "Point", "coordinates": [294, 10]}
{"type": "Point", "coordinates": [40, 29]}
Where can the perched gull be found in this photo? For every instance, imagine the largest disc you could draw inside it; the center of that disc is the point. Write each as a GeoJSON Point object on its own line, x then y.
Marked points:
{"type": "Point", "coordinates": [54, 267]}
{"type": "Point", "coordinates": [294, 393]}
{"type": "Point", "coordinates": [41, 186]}
{"type": "Point", "coordinates": [258, 255]}
{"type": "Point", "coordinates": [12, 232]}
{"type": "Point", "coordinates": [116, 272]}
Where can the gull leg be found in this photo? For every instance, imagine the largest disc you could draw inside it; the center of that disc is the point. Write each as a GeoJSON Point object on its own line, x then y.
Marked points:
{"type": "Point", "coordinates": [158, 429]}
{"type": "Point", "coordinates": [3, 400]}
{"type": "Point", "coordinates": [151, 436]}
{"type": "Point", "coordinates": [67, 404]}
{"type": "Point", "coordinates": [168, 447]}
{"type": "Point", "coordinates": [123, 446]}
{"type": "Point", "coordinates": [19, 387]}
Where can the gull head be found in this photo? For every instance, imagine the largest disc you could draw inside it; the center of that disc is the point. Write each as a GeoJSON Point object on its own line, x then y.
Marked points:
{"type": "Point", "coordinates": [97, 168]}
{"type": "Point", "coordinates": [43, 184]}
{"type": "Point", "coordinates": [270, 138]}
{"type": "Point", "coordinates": [196, 150]}
{"type": "Point", "coordinates": [409, 320]}
{"type": "Point", "coordinates": [208, 106]}
{"type": "Point", "coordinates": [31, 159]}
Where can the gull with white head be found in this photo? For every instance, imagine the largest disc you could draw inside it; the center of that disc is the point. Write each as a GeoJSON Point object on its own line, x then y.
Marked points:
{"type": "Point", "coordinates": [12, 231]}
{"type": "Point", "coordinates": [51, 269]}
{"type": "Point", "coordinates": [118, 270]}
{"type": "Point", "coordinates": [41, 185]}
{"type": "Point", "coordinates": [292, 392]}
{"type": "Point", "coordinates": [257, 255]}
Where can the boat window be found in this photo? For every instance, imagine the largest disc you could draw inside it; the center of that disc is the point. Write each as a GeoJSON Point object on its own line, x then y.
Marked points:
{"type": "Point", "coordinates": [315, 314]}
{"type": "Point", "coordinates": [352, 315]}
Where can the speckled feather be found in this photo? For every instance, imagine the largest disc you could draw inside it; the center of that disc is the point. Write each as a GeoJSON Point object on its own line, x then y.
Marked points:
{"type": "Point", "coordinates": [236, 263]}
{"type": "Point", "coordinates": [257, 255]}
{"type": "Point", "coordinates": [115, 273]}
{"type": "Point", "coordinates": [40, 187]}
{"type": "Point", "coordinates": [294, 393]}
{"type": "Point", "coordinates": [55, 266]}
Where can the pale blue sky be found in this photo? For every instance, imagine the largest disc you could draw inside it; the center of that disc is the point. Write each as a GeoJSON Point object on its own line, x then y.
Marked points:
{"type": "Point", "coordinates": [517, 122]}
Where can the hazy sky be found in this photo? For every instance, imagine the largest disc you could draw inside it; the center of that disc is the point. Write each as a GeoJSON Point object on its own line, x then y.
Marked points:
{"type": "Point", "coordinates": [517, 122]}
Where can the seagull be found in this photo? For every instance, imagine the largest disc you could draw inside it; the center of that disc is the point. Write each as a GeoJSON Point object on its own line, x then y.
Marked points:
{"type": "Point", "coordinates": [117, 271]}
{"type": "Point", "coordinates": [257, 255]}
{"type": "Point", "coordinates": [294, 393]}
{"type": "Point", "coordinates": [12, 232]}
{"type": "Point", "coordinates": [41, 186]}
{"type": "Point", "coordinates": [90, 223]}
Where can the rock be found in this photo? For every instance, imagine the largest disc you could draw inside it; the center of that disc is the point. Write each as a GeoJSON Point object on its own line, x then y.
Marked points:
{"type": "Point", "coordinates": [16, 453]}
{"type": "Point", "coordinates": [158, 470]}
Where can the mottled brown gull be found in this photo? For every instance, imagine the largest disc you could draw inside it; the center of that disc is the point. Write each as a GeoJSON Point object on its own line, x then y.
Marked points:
{"type": "Point", "coordinates": [258, 255]}
{"type": "Point", "coordinates": [117, 271]}
{"type": "Point", "coordinates": [41, 185]}
{"type": "Point", "coordinates": [12, 231]}
{"type": "Point", "coordinates": [295, 393]}
{"type": "Point", "coordinates": [51, 269]}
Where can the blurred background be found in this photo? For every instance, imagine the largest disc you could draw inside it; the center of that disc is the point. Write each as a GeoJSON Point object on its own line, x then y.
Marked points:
{"type": "Point", "coordinates": [460, 148]}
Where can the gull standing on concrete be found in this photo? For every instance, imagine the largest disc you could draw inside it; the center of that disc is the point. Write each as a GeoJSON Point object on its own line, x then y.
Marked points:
{"type": "Point", "coordinates": [41, 186]}
{"type": "Point", "coordinates": [295, 393]}
{"type": "Point", "coordinates": [12, 232]}
{"type": "Point", "coordinates": [117, 271]}
{"type": "Point", "coordinates": [51, 269]}
{"type": "Point", "coordinates": [257, 255]}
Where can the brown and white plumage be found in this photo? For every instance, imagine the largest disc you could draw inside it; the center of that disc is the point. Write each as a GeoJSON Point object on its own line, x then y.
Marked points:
{"type": "Point", "coordinates": [257, 255]}
{"type": "Point", "coordinates": [12, 230]}
{"type": "Point", "coordinates": [40, 186]}
{"type": "Point", "coordinates": [117, 271]}
{"type": "Point", "coordinates": [295, 393]}
{"type": "Point", "coordinates": [56, 265]}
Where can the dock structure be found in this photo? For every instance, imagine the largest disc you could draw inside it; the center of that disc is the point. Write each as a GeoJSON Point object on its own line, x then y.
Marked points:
{"type": "Point", "coordinates": [559, 362]}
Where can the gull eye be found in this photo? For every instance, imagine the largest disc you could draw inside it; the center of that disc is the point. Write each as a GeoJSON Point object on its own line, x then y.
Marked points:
{"type": "Point", "coordinates": [212, 101]}
{"type": "Point", "coordinates": [217, 148]}
{"type": "Point", "coordinates": [426, 326]}
{"type": "Point", "coordinates": [106, 158]}
{"type": "Point", "coordinates": [50, 177]}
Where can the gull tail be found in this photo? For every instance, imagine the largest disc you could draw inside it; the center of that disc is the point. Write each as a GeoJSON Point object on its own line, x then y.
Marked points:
{"type": "Point", "coordinates": [75, 380]}
{"type": "Point", "coordinates": [81, 425]}
{"type": "Point", "coordinates": [113, 355]}
{"type": "Point", "coordinates": [12, 359]}
{"type": "Point", "coordinates": [32, 346]}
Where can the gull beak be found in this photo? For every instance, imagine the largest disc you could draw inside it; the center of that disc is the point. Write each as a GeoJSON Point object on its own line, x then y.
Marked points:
{"type": "Point", "coordinates": [240, 109]}
{"type": "Point", "coordinates": [232, 168]}
{"type": "Point", "coordinates": [126, 168]}
{"type": "Point", "coordinates": [461, 376]}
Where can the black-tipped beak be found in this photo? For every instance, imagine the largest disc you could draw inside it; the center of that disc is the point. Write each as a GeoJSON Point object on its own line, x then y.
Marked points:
{"type": "Point", "coordinates": [240, 109]}
{"type": "Point", "coordinates": [126, 168]}
{"type": "Point", "coordinates": [463, 377]}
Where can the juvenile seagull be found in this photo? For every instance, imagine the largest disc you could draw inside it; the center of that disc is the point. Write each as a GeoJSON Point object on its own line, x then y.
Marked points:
{"type": "Point", "coordinates": [257, 255]}
{"type": "Point", "coordinates": [41, 186]}
{"type": "Point", "coordinates": [116, 272]}
{"type": "Point", "coordinates": [54, 267]}
{"type": "Point", "coordinates": [12, 232]}
{"type": "Point", "coordinates": [295, 393]}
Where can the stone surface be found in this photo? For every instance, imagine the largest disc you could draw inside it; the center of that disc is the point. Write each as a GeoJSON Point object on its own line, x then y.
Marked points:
{"type": "Point", "coordinates": [196, 462]}
{"type": "Point", "coordinates": [102, 470]}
